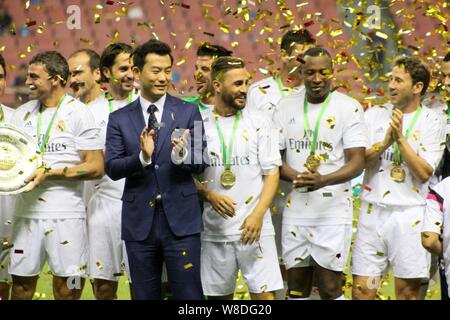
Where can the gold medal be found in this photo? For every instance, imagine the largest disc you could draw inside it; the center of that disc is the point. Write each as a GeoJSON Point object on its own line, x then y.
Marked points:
{"type": "Point", "coordinates": [398, 173]}
{"type": "Point", "coordinates": [312, 163]}
{"type": "Point", "coordinates": [228, 179]}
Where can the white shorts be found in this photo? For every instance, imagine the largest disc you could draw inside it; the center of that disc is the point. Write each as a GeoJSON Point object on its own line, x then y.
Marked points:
{"type": "Point", "coordinates": [107, 253]}
{"type": "Point", "coordinates": [61, 242]}
{"type": "Point", "coordinates": [390, 236]}
{"type": "Point", "coordinates": [221, 261]}
{"type": "Point", "coordinates": [327, 245]}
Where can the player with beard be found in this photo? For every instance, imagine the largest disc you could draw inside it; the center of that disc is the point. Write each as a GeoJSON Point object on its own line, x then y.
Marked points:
{"type": "Point", "coordinates": [50, 218]}
{"type": "Point", "coordinates": [407, 141]}
{"type": "Point", "coordinates": [6, 202]}
{"type": "Point", "coordinates": [432, 232]}
{"type": "Point", "coordinates": [107, 255]}
{"type": "Point", "coordinates": [240, 185]}
{"type": "Point", "coordinates": [323, 143]}
{"type": "Point", "coordinates": [206, 54]}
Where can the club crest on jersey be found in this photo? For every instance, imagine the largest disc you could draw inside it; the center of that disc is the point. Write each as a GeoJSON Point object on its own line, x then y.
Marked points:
{"type": "Point", "coordinates": [61, 126]}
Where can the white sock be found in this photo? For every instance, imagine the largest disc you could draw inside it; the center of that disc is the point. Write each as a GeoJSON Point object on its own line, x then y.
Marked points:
{"type": "Point", "coordinates": [342, 297]}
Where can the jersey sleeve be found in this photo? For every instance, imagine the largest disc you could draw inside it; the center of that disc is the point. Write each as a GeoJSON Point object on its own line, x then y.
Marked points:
{"type": "Point", "coordinates": [85, 130]}
{"type": "Point", "coordinates": [268, 146]}
{"type": "Point", "coordinates": [433, 140]}
{"type": "Point", "coordinates": [434, 214]}
{"type": "Point", "coordinates": [278, 127]}
{"type": "Point", "coordinates": [355, 131]}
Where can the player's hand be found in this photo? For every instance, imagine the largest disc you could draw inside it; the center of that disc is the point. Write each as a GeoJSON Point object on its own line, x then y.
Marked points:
{"type": "Point", "coordinates": [36, 178]}
{"type": "Point", "coordinates": [299, 182]}
{"type": "Point", "coordinates": [251, 229]}
{"type": "Point", "coordinates": [179, 144]}
{"type": "Point", "coordinates": [312, 180]}
{"type": "Point", "coordinates": [397, 124]}
{"type": "Point", "coordinates": [224, 205]}
{"type": "Point", "coordinates": [388, 138]}
{"type": "Point", "coordinates": [147, 143]}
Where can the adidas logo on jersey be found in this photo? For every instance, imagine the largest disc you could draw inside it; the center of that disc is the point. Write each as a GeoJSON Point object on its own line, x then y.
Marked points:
{"type": "Point", "coordinates": [28, 124]}
{"type": "Point", "coordinates": [103, 123]}
{"type": "Point", "coordinates": [292, 121]}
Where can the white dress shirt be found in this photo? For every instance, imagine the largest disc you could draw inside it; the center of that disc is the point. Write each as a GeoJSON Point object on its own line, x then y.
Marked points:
{"type": "Point", "coordinates": [158, 114]}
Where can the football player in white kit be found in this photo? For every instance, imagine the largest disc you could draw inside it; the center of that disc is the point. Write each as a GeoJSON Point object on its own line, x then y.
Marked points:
{"type": "Point", "coordinates": [436, 225]}
{"type": "Point", "coordinates": [323, 144]}
{"type": "Point", "coordinates": [50, 218]}
{"type": "Point", "coordinates": [107, 256]}
{"type": "Point", "coordinates": [241, 182]}
{"type": "Point", "coordinates": [6, 202]}
{"type": "Point", "coordinates": [431, 230]}
{"type": "Point", "coordinates": [407, 141]}
{"type": "Point", "coordinates": [264, 95]}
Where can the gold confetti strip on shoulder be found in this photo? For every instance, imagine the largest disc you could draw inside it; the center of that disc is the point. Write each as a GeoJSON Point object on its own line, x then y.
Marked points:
{"type": "Point", "coordinates": [188, 266]}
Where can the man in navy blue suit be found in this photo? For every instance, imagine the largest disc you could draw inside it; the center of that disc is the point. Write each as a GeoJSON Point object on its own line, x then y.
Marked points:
{"type": "Point", "coordinates": [156, 143]}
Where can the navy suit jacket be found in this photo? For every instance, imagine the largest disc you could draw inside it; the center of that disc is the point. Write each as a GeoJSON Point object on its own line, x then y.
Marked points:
{"type": "Point", "coordinates": [175, 182]}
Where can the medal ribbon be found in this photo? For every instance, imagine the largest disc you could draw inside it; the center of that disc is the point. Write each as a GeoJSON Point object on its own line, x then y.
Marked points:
{"type": "Point", "coordinates": [111, 99]}
{"type": "Point", "coordinates": [319, 118]}
{"type": "Point", "coordinates": [227, 155]}
{"type": "Point", "coordinates": [44, 141]}
{"type": "Point", "coordinates": [280, 86]}
{"type": "Point", "coordinates": [397, 156]}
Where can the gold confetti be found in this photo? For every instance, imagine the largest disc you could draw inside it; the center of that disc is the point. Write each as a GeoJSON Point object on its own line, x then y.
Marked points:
{"type": "Point", "coordinates": [369, 208]}
{"type": "Point", "coordinates": [288, 202]}
{"type": "Point", "coordinates": [188, 266]}
{"type": "Point", "coordinates": [264, 288]}
{"type": "Point", "coordinates": [381, 35]}
{"type": "Point", "coordinates": [99, 265]}
{"type": "Point", "coordinates": [295, 293]}
{"type": "Point", "coordinates": [415, 223]}
{"type": "Point", "coordinates": [386, 193]}
{"type": "Point", "coordinates": [331, 122]}
{"type": "Point", "coordinates": [184, 253]}
{"type": "Point", "coordinates": [380, 254]}
{"type": "Point", "coordinates": [42, 199]}
{"type": "Point", "coordinates": [336, 33]}
{"type": "Point", "coordinates": [188, 44]}
{"type": "Point", "coordinates": [249, 200]}
{"type": "Point", "coordinates": [181, 61]}
{"type": "Point", "coordinates": [294, 234]}
{"type": "Point", "coordinates": [48, 232]}
{"type": "Point", "coordinates": [96, 18]}
{"type": "Point", "coordinates": [65, 242]}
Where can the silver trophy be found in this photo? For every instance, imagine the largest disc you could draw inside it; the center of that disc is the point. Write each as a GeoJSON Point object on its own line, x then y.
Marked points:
{"type": "Point", "coordinates": [19, 157]}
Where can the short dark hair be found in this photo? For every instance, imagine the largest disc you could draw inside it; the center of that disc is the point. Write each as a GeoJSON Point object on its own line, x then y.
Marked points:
{"type": "Point", "coordinates": [109, 56]}
{"type": "Point", "coordinates": [317, 52]}
{"type": "Point", "coordinates": [94, 58]}
{"type": "Point", "coordinates": [54, 63]}
{"type": "Point", "coordinates": [222, 65]}
{"type": "Point", "coordinates": [418, 71]}
{"type": "Point", "coordinates": [213, 50]}
{"type": "Point", "coordinates": [152, 46]}
{"type": "Point", "coordinates": [3, 64]}
{"type": "Point", "coordinates": [292, 37]}
{"type": "Point", "coordinates": [447, 57]}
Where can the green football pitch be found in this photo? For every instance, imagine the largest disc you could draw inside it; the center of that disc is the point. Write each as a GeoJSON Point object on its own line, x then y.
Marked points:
{"type": "Point", "coordinates": [386, 292]}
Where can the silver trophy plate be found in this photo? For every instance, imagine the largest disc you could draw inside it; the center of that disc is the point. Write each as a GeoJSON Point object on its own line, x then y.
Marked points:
{"type": "Point", "coordinates": [19, 157]}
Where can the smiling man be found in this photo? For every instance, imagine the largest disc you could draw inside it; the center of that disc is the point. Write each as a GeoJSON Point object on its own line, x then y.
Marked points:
{"type": "Point", "coordinates": [323, 144]}
{"type": "Point", "coordinates": [146, 143]}
{"type": "Point", "coordinates": [407, 141]}
{"type": "Point", "coordinates": [50, 219]}
{"type": "Point", "coordinates": [206, 54]}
